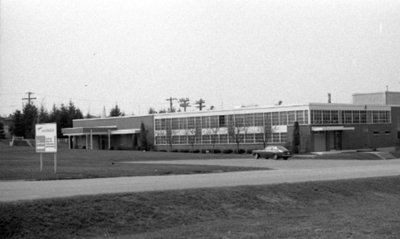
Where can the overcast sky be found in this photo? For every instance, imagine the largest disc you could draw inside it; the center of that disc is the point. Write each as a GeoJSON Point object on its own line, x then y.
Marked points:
{"type": "Point", "coordinates": [139, 53]}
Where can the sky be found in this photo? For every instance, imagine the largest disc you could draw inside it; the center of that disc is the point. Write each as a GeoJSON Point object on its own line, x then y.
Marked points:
{"type": "Point", "coordinates": [135, 53]}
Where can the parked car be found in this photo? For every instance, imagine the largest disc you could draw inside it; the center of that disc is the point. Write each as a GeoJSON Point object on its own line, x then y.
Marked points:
{"type": "Point", "coordinates": [273, 151]}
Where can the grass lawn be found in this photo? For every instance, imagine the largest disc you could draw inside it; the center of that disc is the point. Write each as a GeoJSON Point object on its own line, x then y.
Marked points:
{"type": "Point", "coordinates": [361, 208]}
{"type": "Point", "coordinates": [23, 163]}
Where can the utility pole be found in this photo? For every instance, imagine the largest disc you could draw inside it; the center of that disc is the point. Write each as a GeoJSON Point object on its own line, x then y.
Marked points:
{"type": "Point", "coordinates": [29, 97]}
{"type": "Point", "coordinates": [184, 103]}
{"type": "Point", "coordinates": [170, 99]}
{"type": "Point", "coordinates": [200, 104]}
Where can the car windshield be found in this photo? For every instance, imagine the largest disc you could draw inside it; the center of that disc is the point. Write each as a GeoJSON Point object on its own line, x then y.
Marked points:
{"type": "Point", "coordinates": [275, 148]}
{"type": "Point", "coordinates": [281, 148]}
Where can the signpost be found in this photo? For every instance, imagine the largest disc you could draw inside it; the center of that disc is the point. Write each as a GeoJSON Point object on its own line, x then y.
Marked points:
{"type": "Point", "coordinates": [46, 142]}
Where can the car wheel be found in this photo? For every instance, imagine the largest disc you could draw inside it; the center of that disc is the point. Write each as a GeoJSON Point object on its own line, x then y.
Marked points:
{"type": "Point", "coordinates": [256, 156]}
{"type": "Point", "coordinates": [275, 156]}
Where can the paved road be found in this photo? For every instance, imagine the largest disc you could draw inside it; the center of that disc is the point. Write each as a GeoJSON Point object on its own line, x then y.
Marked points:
{"type": "Point", "coordinates": [284, 172]}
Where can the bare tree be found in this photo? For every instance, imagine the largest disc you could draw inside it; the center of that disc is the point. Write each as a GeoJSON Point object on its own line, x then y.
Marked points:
{"type": "Point", "coordinates": [237, 131]}
{"type": "Point", "coordinates": [214, 137]}
{"type": "Point", "coordinates": [191, 134]}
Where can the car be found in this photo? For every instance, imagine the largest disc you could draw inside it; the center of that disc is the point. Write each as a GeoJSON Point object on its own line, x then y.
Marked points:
{"type": "Point", "coordinates": [272, 151]}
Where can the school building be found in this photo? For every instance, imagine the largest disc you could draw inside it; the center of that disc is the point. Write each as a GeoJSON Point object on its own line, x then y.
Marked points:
{"type": "Point", "coordinates": [371, 121]}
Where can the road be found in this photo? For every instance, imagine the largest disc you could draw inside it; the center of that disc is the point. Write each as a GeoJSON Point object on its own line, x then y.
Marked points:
{"type": "Point", "coordinates": [290, 171]}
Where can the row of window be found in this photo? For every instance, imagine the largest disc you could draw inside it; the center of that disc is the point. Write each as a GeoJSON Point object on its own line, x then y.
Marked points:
{"type": "Point", "coordinates": [237, 120]}
{"type": "Point", "coordinates": [221, 139]}
{"type": "Point", "coordinates": [323, 117]}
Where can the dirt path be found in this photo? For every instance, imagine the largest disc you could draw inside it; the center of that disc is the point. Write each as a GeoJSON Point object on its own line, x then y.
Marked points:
{"type": "Point", "coordinates": [284, 172]}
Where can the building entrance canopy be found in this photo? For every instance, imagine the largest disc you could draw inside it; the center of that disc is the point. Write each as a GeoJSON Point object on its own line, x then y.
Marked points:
{"type": "Point", "coordinates": [88, 130]}
{"type": "Point", "coordinates": [331, 128]}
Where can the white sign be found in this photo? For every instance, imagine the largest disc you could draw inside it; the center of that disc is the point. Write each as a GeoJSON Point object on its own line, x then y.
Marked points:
{"type": "Point", "coordinates": [46, 138]}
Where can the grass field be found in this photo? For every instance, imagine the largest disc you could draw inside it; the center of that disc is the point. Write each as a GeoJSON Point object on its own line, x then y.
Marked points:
{"type": "Point", "coordinates": [362, 208]}
{"type": "Point", "coordinates": [24, 163]}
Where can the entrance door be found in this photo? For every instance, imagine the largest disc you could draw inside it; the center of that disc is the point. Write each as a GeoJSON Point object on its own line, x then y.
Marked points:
{"type": "Point", "coordinates": [319, 141]}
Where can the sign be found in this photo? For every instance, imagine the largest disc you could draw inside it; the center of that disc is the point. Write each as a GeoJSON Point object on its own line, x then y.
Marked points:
{"type": "Point", "coordinates": [46, 138]}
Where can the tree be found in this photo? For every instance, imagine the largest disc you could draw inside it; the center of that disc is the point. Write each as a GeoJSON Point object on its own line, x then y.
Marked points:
{"type": "Point", "coordinates": [2, 134]}
{"type": "Point", "coordinates": [296, 138]}
{"type": "Point", "coordinates": [152, 111]}
{"type": "Point", "coordinates": [29, 119]}
{"type": "Point", "coordinates": [267, 134]}
{"type": "Point", "coordinates": [143, 137]}
{"type": "Point", "coordinates": [214, 137]}
{"type": "Point", "coordinates": [116, 112]}
{"type": "Point", "coordinates": [44, 116]}
{"type": "Point", "coordinates": [237, 130]}
{"type": "Point", "coordinates": [18, 126]}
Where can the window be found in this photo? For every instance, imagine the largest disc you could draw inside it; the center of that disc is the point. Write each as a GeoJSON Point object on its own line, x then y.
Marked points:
{"type": "Point", "coordinates": [157, 124]}
{"type": "Point", "coordinates": [291, 117]}
{"type": "Point", "coordinates": [356, 117]}
{"type": "Point", "coordinates": [205, 122]}
{"type": "Point", "coordinates": [316, 117]}
{"type": "Point", "coordinates": [175, 123]}
{"type": "Point", "coordinates": [239, 120]}
{"type": "Point", "coordinates": [222, 121]}
{"type": "Point", "coordinates": [223, 139]}
{"type": "Point", "coordinates": [214, 122]}
{"type": "Point", "coordinates": [249, 119]}
{"type": "Point", "coordinates": [206, 139]}
{"type": "Point", "coordinates": [190, 122]}
{"type": "Point", "coordinates": [283, 118]}
{"type": "Point", "coordinates": [347, 117]}
{"type": "Point", "coordinates": [363, 117]}
{"type": "Point", "coordinates": [258, 119]}
{"type": "Point", "coordinates": [276, 138]}
{"type": "Point", "coordinates": [175, 139]}
{"type": "Point", "coordinates": [183, 139]}
{"type": "Point", "coordinates": [267, 119]}
{"type": "Point", "coordinates": [275, 118]}
{"type": "Point", "coordinates": [283, 137]}
{"type": "Point", "coordinates": [335, 117]}
{"type": "Point", "coordinates": [259, 138]}
{"type": "Point", "coordinates": [249, 138]}
{"type": "Point", "coordinates": [326, 117]}
{"type": "Point", "coordinates": [300, 117]}
{"type": "Point", "coordinates": [214, 139]}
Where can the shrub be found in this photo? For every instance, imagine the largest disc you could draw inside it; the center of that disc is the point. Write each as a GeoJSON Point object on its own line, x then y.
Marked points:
{"type": "Point", "coordinates": [205, 151]}
{"type": "Point", "coordinates": [241, 151]}
{"type": "Point", "coordinates": [184, 150]}
{"type": "Point", "coordinates": [174, 151]}
{"type": "Point", "coordinates": [227, 151]}
{"type": "Point", "coordinates": [217, 151]}
{"type": "Point", "coordinates": [196, 151]}
{"type": "Point", "coordinates": [249, 151]}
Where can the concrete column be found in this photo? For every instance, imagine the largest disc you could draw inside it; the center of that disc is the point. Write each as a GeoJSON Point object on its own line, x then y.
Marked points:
{"type": "Point", "coordinates": [69, 142]}
{"type": "Point", "coordinates": [91, 139]}
{"type": "Point", "coordinates": [109, 139]}
{"type": "Point", "coordinates": [87, 141]}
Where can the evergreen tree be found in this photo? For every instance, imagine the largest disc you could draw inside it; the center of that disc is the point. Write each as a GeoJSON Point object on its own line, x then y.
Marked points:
{"type": "Point", "coordinates": [18, 126]}
{"type": "Point", "coordinates": [152, 111]}
{"type": "Point", "coordinates": [296, 138]}
{"type": "Point", "coordinates": [2, 134]}
{"type": "Point", "coordinates": [44, 116]}
{"type": "Point", "coordinates": [116, 112]}
{"type": "Point", "coordinates": [143, 137]}
{"type": "Point", "coordinates": [29, 118]}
